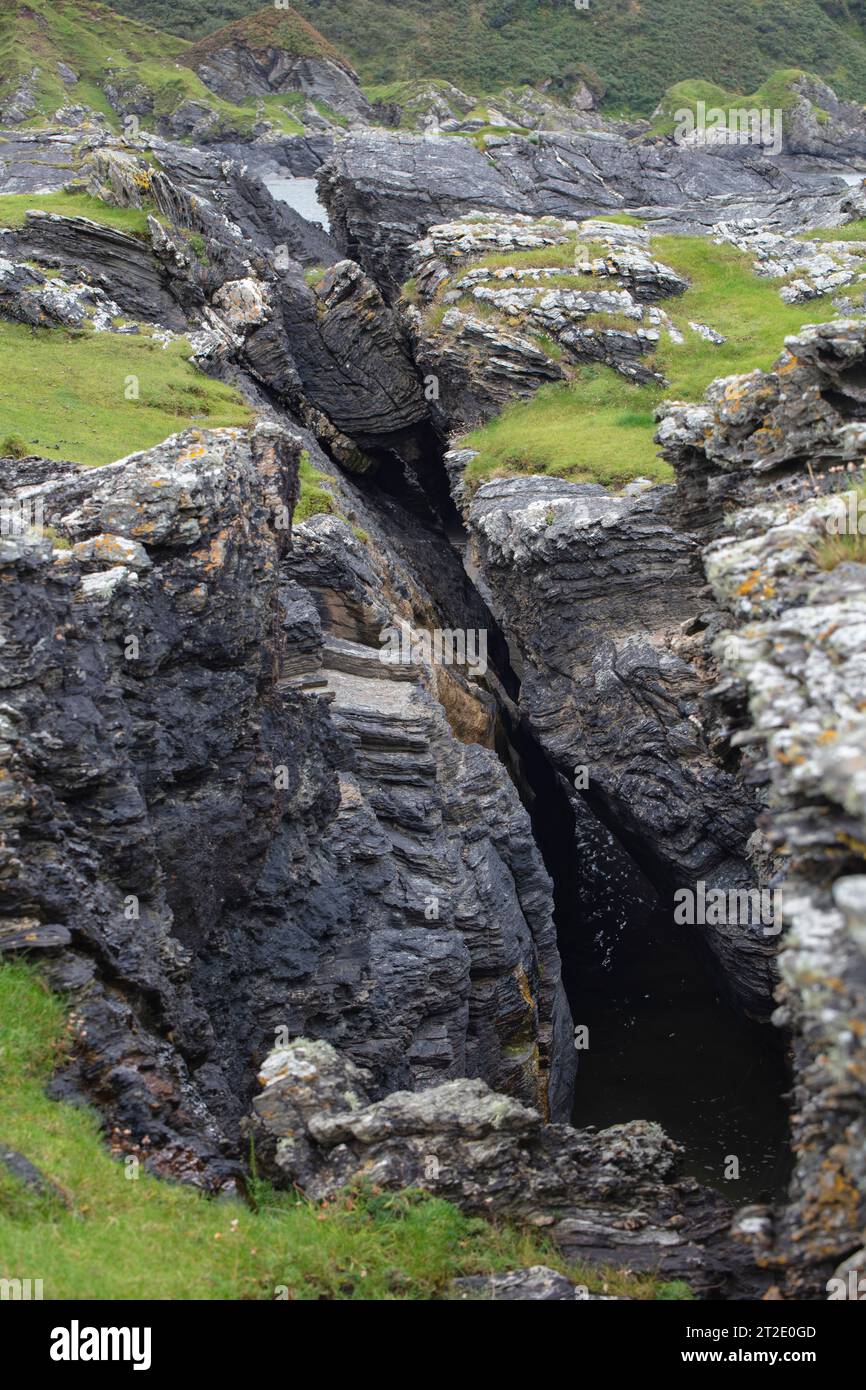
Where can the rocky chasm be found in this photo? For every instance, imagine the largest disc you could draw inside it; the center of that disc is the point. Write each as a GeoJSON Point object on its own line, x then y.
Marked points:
{"type": "Point", "coordinates": [228, 822]}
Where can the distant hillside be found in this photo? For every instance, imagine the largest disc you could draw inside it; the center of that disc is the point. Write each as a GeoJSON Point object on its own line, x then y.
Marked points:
{"type": "Point", "coordinates": [638, 48]}
{"type": "Point", "coordinates": [79, 53]}
{"type": "Point", "coordinates": [56, 52]}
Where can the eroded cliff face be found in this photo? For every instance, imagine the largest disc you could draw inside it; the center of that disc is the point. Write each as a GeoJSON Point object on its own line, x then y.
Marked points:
{"type": "Point", "coordinates": [766, 463]}
{"type": "Point", "coordinates": [232, 825]}
{"type": "Point", "coordinates": [384, 191]}
{"type": "Point", "coordinates": [220, 825]}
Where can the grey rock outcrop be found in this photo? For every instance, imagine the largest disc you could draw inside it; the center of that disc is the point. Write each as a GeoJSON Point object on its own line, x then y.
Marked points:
{"type": "Point", "coordinates": [764, 476]}
{"type": "Point", "coordinates": [383, 191]}
{"type": "Point", "coordinates": [607, 1197]}
{"type": "Point", "coordinates": [249, 845]}
{"type": "Point", "coordinates": [488, 332]}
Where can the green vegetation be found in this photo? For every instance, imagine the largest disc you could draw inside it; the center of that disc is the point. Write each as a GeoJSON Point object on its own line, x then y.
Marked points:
{"type": "Point", "coordinates": [844, 547]}
{"type": "Point", "coordinates": [599, 427]}
{"type": "Point", "coordinates": [632, 50]}
{"type": "Point", "coordinates": [13, 447]}
{"type": "Point", "coordinates": [96, 43]}
{"type": "Point", "coordinates": [91, 39]}
{"type": "Point", "coordinates": [98, 1235]}
{"type": "Point", "coordinates": [15, 206]}
{"type": "Point", "coordinates": [65, 394]}
{"type": "Point", "coordinates": [852, 231]}
{"type": "Point", "coordinates": [775, 94]}
{"type": "Point", "coordinates": [267, 28]}
{"type": "Point", "coordinates": [315, 499]}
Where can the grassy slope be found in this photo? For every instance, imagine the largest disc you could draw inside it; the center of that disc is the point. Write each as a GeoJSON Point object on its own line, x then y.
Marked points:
{"type": "Point", "coordinates": [600, 427]}
{"type": "Point", "coordinates": [776, 93]}
{"type": "Point", "coordinates": [114, 1238]}
{"type": "Point", "coordinates": [270, 28]}
{"type": "Point", "coordinates": [15, 206]}
{"type": "Point", "coordinates": [63, 394]}
{"type": "Point", "coordinates": [637, 49]}
{"type": "Point", "coordinates": [94, 40]}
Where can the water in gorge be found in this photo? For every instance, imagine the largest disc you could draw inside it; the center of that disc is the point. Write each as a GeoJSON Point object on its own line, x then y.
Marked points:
{"type": "Point", "coordinates": [300, 194]}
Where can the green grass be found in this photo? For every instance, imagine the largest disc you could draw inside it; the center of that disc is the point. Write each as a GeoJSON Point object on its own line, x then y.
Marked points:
{"type": "Point", "coordinates": [599, 427]}
{"type": "Point", "coordinates": [558, 255]}
{"type": "Point", "coordinates": [63, 393]}
{"type": "Point", "coordinates": [844, 546]}
{"type": "Point", "coordinates": [15, 206]}
{"type": "Point", "coordinates": [89, 37]}
{"type": "Point", "coordinates": [95, 41]}
{"type": "Point", "coordinates": [852, 231]}
{"type": "Point", "coordinates": [632, 50]}
{"type": "Point", "coordinates": [315, 499]}
{"type": "Point", "coordinates": [775, 94]}
{"type": "Point", "coordinates": [100, 1235]}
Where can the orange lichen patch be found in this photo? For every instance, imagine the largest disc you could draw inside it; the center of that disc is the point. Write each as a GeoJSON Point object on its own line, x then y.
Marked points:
{"type": "Point", "coordinates": [788, 366]}
{"type": "Point", "coordinates": [113, 548]}
{"type": "Point", "coordinates": [194, 453]}
{"type": "Point", "coordinates": [750, 583]}
{"type": "Point", "coordinates": [523, 986]}
{"type": "Point", "coordinates": [216, 552]}
{"type": "Point", "coordinates": [773, 432]}
{"type": "Point", "coordinates": [858, 845]}
{"type": "Point", "coordinates": [828, 736]}
{"type": "Point", "coordinates": [735, 391]}
{"type": "Point", "coordinates": [833, 1209]}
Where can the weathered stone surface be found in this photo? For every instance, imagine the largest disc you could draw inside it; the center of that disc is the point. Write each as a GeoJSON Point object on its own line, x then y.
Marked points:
{"type": "Point", "coordinates": [490, 333]}
{"type": "Point", "coordinates": [609, 1197]}
{"type": "Point", "coordinates": [383, 191]}
{"type": "Point", "coordinates": [225, 852]}
{"type": "Point", "coordinates": [28, 296]}
{"type": "Point", "coordinates": [760, 474]}
{"type": "Point", "coordinates": [538, 1284]}
{"type": "Point", "coordinates": [593, 592]}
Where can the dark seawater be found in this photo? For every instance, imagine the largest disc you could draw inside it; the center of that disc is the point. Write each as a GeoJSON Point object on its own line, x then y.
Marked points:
{"type": "Point", "coordinates": [664, 1043]}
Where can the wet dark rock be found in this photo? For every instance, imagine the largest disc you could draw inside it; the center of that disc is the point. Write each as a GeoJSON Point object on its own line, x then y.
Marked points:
{"type": "Point", "coordinates": [239, 835]}
{"type": "Point", "coordinates": [592, 592]}
{"type": "Point", "coordinates": [120, 265]}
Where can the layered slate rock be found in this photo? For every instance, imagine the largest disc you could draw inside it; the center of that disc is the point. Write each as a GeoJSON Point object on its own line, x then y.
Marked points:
{"type": "Point", "coordinates": [208, 850]}
{"type": "Point", "coordinates": [488, 331]}
{"type": "Point", "coordinates": [276, 51]}
{"type": "Point", "coordinates": [384, 191]}
{"type": "Point", "coordinates": [769, 464]}
{"type": "Point", "coordinates": [596, 594]}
